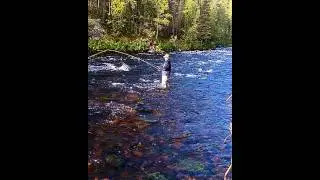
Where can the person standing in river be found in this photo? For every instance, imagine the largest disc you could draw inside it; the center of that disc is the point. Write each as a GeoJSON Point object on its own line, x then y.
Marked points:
{"type": "Point", "coordinates": [166, 69]}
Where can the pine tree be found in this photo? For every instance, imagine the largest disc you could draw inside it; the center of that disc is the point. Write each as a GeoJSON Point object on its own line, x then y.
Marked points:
{"type": "Point", "coordinates": [204, 26]}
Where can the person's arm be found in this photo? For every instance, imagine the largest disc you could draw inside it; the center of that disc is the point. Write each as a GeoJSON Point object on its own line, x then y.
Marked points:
{"type": "Point", "coordinates": [168, 66]}
{"type": "Point", "coordinates": [165, 66]}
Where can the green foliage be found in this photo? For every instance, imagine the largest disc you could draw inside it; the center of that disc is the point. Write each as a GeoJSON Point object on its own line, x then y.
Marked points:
{"type": "Point", "coordinates": [190, 40]}
{"type": "Point", "coordinates": [199, 24]}
{"type": "Point", "coordinates": [190, 12]}
{"type": "Point", "coordinates": [204, 28]}
{"type": "Point", "coordinates": [119, 44]}
{"type": "Point", "coordinates": [166, 46]}
{"type": "Point", "coordinates": [141, 44]}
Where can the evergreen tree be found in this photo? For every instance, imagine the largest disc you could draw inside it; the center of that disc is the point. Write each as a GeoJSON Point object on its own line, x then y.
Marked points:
{"type": "Point", "coordinates": [204, 26]}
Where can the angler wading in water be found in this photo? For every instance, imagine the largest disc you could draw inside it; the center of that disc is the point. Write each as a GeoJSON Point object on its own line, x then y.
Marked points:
{"type": "Point", "coordinates": [166, 69]}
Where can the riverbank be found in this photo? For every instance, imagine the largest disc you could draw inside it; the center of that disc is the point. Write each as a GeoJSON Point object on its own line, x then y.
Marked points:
{"type": "Point", "coordinates": [141, 44]}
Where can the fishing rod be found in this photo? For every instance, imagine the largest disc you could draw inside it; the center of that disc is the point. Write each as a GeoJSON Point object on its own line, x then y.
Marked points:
{"type": "Point", "coordinates": [127, 55]}
{"type": "Point", "coordinates": [229, 97]}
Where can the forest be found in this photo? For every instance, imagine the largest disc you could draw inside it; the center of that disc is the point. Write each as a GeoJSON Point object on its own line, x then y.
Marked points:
{"type": "Point", "coordinates": [131, 25]}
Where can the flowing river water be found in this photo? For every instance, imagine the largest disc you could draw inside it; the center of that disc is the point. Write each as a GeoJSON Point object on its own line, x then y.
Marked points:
{"type": "Point", "coordinates": [138, 131]}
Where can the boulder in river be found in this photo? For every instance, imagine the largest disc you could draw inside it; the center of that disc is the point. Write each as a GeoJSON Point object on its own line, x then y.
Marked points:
{"type": "Point", "coordinates": [132, 97]}
{"type": "Point", "coordinates": [111, 111]}
{"type": "Point", "coordinates": [114, 160]}
{"type": "Point", "coordinates": [156, 176]}
{"type": "Point", "coordinates": [189, 165]}
{"type": "Point", "coordinates": [120, 111]}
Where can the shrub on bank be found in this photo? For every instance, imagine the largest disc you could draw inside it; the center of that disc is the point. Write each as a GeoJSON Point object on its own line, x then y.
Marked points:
{"type": "Point", "coordinates": [166, 46]}
{"type": "Point", "coordinates": [119, 44]}
{"type": "Point", "coordinates": [126, 44]}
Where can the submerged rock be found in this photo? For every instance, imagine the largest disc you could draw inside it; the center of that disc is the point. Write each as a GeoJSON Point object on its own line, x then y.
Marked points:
{"type": "Point", "coordinates": [132, 97]}
{"type": "Point", "coordinates": [111, 111]}
{"type": "Point", "coordinates": [137, 153]}
{"type": "Point", "coordinates": [119, 110]}
{"type": "Point", "coordinates": [190, 165]}
{"type": "Point", "coordinates": [156, 176]}
{"type": "Point", "coordinates": [114, 161]}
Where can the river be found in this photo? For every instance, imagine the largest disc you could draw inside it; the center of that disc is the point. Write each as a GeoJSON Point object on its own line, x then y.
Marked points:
{"type": "Point", "coordinates": [138, 131]}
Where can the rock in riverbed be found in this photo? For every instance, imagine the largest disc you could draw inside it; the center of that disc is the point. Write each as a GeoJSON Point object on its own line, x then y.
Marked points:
{"type": "Point", "coordinates": [114, 161]}
{"type": "Point", "coordinates": [111, 111]}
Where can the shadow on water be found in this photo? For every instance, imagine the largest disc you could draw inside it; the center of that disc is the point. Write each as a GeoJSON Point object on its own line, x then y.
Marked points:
{"type": "Point", "coordinates": [137, 131]}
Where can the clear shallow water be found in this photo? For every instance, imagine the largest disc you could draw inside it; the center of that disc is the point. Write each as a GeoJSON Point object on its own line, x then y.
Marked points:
{"type": "Point", "coordinates": [180, 131]}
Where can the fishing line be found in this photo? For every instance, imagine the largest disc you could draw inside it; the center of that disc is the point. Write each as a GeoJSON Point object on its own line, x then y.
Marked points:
{"type": "Point", "coordinates": [134, 57]}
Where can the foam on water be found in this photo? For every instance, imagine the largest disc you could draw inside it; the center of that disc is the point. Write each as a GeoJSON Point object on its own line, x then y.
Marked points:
{"type": "Point", "coordinates": [108, 67]}
{"type": "Point", "coordinates": [117, 84]}
{"type": "Point", "coordinates": [144, 80]}
{"type": "Point", "coordinates": [202, 63]}
{"type": "Point", "coordinates": [146, 86]}
{"type": "Point", "coordinates": [178, 74]}
{"type": "Point", "coordinates": [209, 71]}
{"type": "Point", "coordinates": [191, 75]}
{"type": "Point", "coordinates": [124, 67]}
{"type": "Point", "coordinates": [93, 68]}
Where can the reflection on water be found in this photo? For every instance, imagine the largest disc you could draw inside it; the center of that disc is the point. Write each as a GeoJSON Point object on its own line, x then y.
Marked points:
{"type": "Point", "coordinates": [138, 131]}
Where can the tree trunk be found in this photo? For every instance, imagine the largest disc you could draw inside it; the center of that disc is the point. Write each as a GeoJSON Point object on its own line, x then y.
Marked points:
{"type": "Point", "coordinates": [179, 16]}
{"type": "Point", "coordinates": [171, 29]}
{"type": "Point", "coordinates": [173, 25]}
{"type": "Point", "coordinates": [103, 10]}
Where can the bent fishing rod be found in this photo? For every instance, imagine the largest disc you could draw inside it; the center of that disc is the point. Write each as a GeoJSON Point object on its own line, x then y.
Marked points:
{"type": "Point", "coordinates": [229, 97]}
{"type": "Point", "coordinates": [125, 54]}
